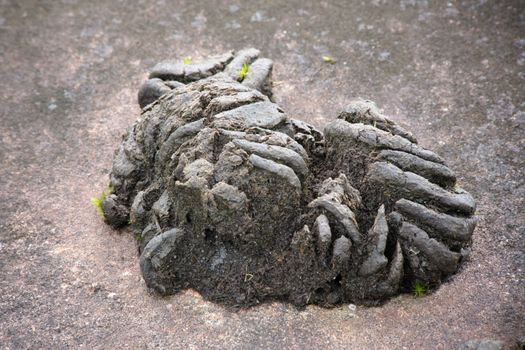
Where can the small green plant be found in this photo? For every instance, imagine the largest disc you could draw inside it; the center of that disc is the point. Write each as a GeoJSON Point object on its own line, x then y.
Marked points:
{"type": "Point", "coordinates": [130, 221]}
{"type": "Point", "coordinates": [243, 72]}
{"type": "Point", "coordinates": [186, 60]}
{"type": "Point", "coordinates": [138, 237]}
{"type": "Point", "coordinates": [327, 59]}
{"type": "Point", "coordinates": [419, 289]}
{"type": "Point", "coordinates": [96, 202]}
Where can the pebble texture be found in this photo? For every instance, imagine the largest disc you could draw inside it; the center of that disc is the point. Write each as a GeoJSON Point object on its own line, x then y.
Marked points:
{"type": "Point", "coordinates": [233, 198]}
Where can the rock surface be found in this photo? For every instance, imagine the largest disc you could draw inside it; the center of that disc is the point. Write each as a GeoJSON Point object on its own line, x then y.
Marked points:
{"type": "Point", "coordinates": [72, 70]}
{"type": "Point", "coordinates": [233, 198]}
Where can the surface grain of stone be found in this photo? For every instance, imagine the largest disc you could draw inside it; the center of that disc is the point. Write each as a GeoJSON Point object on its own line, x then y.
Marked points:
{"type": "Point", "coordinates": [450, 72]}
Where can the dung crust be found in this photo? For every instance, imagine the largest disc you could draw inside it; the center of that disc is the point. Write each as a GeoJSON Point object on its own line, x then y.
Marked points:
{"type": "Point", "coordinates": [233, 198]}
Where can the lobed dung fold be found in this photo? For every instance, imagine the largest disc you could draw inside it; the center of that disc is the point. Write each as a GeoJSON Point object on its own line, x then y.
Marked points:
{"type": "Point", "coordinates": [232, 197]}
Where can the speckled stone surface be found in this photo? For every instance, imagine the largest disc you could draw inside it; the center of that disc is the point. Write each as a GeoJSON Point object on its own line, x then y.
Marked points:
{"type": "Point", "coordinates": [451, 72]}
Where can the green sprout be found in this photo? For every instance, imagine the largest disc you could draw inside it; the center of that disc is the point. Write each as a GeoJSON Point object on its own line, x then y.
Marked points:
{"type": "Point", "coordinates": [419, 289]}
{"type": "Point", "coordinates": [96, 202]}
{"type": "Point", "coordinates": [243, 72]}
{"type": "Point", "coordinates": [327, 59]}
{"type": "Point", "coordinates": [138, 237]}
{"type": "Point", "coordinates": [186, 60]}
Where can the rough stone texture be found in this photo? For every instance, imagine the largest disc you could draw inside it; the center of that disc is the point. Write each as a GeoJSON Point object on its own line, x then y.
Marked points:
{"type": "Point", "coordinates": [447, 71]}
{"type": "Point", "coordinates": [221, 189]}
{"type": "Point", "coordinates": [485, 344]}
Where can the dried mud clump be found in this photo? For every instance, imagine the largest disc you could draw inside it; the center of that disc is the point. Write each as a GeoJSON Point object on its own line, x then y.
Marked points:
{"type": "Point", "coordinates": [231, 197]}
